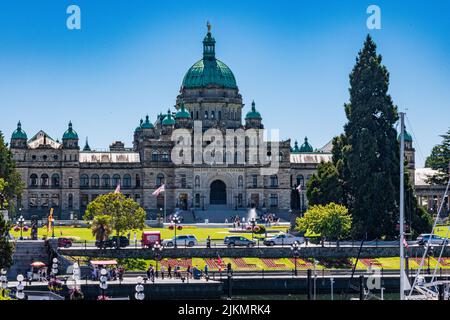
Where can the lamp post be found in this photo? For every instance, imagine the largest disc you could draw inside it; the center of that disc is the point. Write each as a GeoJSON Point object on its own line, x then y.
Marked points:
{"type": "Point", "coordinates": [21, 225]}
{"type": "Point", "coordinates": [253, 223]}
{"type": "Point", "coordinates": [54, 267]}
{"type": "Point", "coordinates": [315, 277]}
{"type": "Point", "coordinates": [103, 282]}
{"type": "Point", "coordinates": [19, 287]}
{"type": "Point", "coordinates": [296, 253]}
{"type": "Point", "coordinates": [139, 295]}
{"type": "Point", "coordinates": [157, 249]}
{"type": "Point", "coordinates": [4, 281]}
{"type": "Point", "coordinates": [175, 221]}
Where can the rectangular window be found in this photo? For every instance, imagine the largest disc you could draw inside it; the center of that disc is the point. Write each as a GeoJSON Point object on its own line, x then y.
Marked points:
{"type": "Point", "coordinates": [70, 182]}
{"type": "Point", "coordinates": [274, 200]}
{"type": "Point", "coordinates": [183, 181]}
{"type": "Point", "coordinates": [255, 181]}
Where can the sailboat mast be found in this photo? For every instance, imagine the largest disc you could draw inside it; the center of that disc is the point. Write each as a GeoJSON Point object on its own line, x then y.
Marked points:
{"type": "Point", "coordinates": [402, 204]}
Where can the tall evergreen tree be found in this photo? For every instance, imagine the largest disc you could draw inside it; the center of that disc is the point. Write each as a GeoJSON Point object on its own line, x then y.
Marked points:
{"type": "Point", "coordinates": [439, 160]}
{"type": "Point", "coordinates": [6, 248]}
{"type": "Point", "coordinates": [13, 183]}
{"type": "Point", "coordinates": [370, 153]}
{"type": "Point", "coordinates": [324, 187]}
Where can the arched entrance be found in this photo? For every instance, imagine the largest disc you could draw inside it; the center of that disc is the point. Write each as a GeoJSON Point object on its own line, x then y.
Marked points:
{"type": "Point", "coordinates": [218, 193]}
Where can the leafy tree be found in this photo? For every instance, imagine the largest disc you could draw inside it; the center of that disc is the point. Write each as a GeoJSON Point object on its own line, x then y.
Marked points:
{"type": "Point", "coordinates": [125, 213]}
{"type": "Point", "coordinates": [331, 221]}
{"type": "Point", "coordinates": [439, 160]}
{"type": "Point", "coordinates": [325, 186]}
{"type": "Point", "coordinates": [12, 182]}
{"type": "Point", "coordinates": [6, 248]}
{"type": "Point", "coordinates": [101, 227]}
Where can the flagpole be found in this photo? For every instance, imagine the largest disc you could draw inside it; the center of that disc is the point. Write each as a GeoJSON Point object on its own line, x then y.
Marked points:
{"type": "Point", "coordinates": [165, 204]}
{"type": "Point", "coordinates": [402, 206]}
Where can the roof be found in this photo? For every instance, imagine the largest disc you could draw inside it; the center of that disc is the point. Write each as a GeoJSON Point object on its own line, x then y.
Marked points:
{"type": "Point", "coordinates": [313, 157]}
{"type": "Point", "coordinates": [168, 120]}
{"type": "Point", "coordinates": [19, 133]}
{"type": "Point", "coordinates": [109, 157]}
{"type": "Point", "coordinates": [70, 134]}
{"type": "Point", "coordinates": [40, 139]}
{"type": "Point", "coordinates": [147, 124]}
{"type": "Point", "coordinates": [253, 114]}
{"type": "Point", "coordinates": [421, 176]}
{"type": "Point", "coordinates": [182, 113]}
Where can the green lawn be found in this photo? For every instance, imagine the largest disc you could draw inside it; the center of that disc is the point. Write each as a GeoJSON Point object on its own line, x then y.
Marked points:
{"type": "Point", "coordinates": [81, 234]}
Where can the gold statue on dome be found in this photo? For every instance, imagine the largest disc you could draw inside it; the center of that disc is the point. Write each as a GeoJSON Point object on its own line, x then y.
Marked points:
{"type": "Point", "coordinates": [208, 25]}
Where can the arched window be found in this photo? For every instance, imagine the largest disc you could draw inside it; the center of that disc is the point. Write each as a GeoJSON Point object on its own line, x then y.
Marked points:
{"type": "Point", "coordinates": [280, 156]}
{"type": "Point", "coordinates": [165, 156]}
{"type": "Point", "coordinates": [33, 180]}
{"type": "Point", "coordinates": [55, 180]}
{"type": "Point", "coordinates": [240, 182]}
{"type": "Point", "coordinates": [84, 181]}
{"type": "Point", "coordinates": [155, 156]}
{"type": "Point", "coordinates": [138, 181]}
{"type": "Point", "coordinates": [44, 180]}
{"type": "Point", "coordinates": [196, 115]}
{"type": "Point", "coordinates": [300, 180]}
{"type": "Point", "coordinates": [206, 114]}
{"type": "Point", "coordinates": [212, 115]}
{"type": "Point", "coordinates": [197, 182]}
{"type": "Point", "coordinates": [127, 181]}
{"type": "Point", "coordinates": [159, 179]}
{"type": "Point", "coordinates": [95, 181]}
{"type": "Point", "coordinates": [274, 181]}
{"type": "Point", "coordinates": [106, 181]}
{"type": "Point", "coordinates": [219, 115]}
{"type": "Point", "coordinates": [115, 180]}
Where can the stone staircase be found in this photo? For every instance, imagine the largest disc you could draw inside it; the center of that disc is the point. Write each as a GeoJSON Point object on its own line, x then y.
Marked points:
{"type": "Point", "coordinates": [25, 253]}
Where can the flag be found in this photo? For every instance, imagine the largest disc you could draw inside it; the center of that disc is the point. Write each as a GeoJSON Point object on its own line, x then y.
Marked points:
{"type": "Point", "coordinates": [299, 188]}
{"type": "Point", "coordinates": [117, 189]}
{"type": "Point", "coordinates": [159, 190]}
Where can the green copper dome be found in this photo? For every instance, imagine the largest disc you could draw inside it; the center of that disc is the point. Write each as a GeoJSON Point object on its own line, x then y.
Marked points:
{"type": "Point", "coordinates": [253, 114]}
{"type": "Point", "coordinates": [86, 146]}
{"type": "Point", "coordinates": [70, 134]}
{"type": "Point", "coordinates": [147, 124]}
{"type": "Point", "coordinates": [139, 128]}
{"type": "Point", "coordinates": [296, 149]}
{"type": "Point", "coordinates": [168, 120]}
{"type": "Point", "coordinates": [209, 70]}
{"type": "Point", "coordinates": [306, 147]}
{"type": "Point", "coordinates": [19, 133]}
{"type": "Point", "coordinates": [182, 113]}
{"type": "Point", "coordinates": [408, 137]}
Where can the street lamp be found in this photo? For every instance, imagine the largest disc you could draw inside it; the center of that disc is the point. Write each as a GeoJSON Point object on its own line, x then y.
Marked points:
{"type": "Point", "coordinates": [139, 295]}
{"type": "Point", "coordinates": [103, 282]}
{"type": "Point", "coordinates": [296, 253]}
{"type": "Point", "coordinates": [4, 281]}
{"type": "Point", "coordinates": [21, 225]}
{"type": "Point", "coordinates": [55, 267]}
{"type": "Point", "coordinates": [19, 287]}
{"type": "Point", "coordinates": [175, 221]}
{"type": "Point", "coordinates": [253, 223]}
{"type": "Point", "coordinates": [315, 277]}
{"type": "Point", "coordinates": [157, 249]}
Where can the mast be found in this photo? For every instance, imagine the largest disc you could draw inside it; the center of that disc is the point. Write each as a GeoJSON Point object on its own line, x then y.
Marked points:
{"type": "Point", "coordinates": [402, 204]}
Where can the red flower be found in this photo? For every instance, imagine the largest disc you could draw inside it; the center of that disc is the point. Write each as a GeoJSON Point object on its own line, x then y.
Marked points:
{"type": "Point", "coordinates": [180, 227]}
{"type": "Point", "coordinates": [171, 227]}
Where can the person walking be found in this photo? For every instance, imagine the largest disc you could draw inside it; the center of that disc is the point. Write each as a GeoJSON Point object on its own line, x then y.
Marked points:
{"type": "Point", "coordinates": [162, 272]}
{"type": "Point", "coordinates": [188, 272]}
{"type": "Point", "coordinates": [152, 274]}
{"type": "Point", "coordinates": [208, 242]}
{"type": "Point", "coordinates": [169, 271]}
{"type": "Point", "coordinates": [206, 270]}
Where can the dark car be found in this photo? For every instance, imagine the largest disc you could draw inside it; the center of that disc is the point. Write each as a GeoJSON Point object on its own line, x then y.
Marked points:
{"type": "Point", "coordinates": [112, 242]}
{"type": "Point", "coordinates": [238, 241]}
{"type": "Point", "coordinates": [64, 242]}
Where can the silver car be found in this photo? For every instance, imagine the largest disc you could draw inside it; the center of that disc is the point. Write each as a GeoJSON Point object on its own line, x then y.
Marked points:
{"type": "Point", "coordinates": [283, 239]}
{"type": "Point", "coordinates": [182, 240]}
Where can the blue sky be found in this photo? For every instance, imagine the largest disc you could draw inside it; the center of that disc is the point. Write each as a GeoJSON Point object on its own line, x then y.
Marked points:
{"type": "Point", "coordinates": [292, 57]}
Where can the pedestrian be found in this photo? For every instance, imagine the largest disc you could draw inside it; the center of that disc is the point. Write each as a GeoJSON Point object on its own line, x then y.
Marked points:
{"type": "Point", "coordinates": [162, 272]}
{"type": "Point", "coordinates": [208, 242]}
{"type": "Point", "coordinates": [206, 270]}
{"type": "Point", "coordinates": [169, 271]}
{"type": "Point", "coordinates": [152, 274]}
{"type": "Point", "coordinates": [188, 272]}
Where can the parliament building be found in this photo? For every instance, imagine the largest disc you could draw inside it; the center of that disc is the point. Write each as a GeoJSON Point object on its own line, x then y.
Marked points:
{"type": "Point", "coordinates": [66, 176]}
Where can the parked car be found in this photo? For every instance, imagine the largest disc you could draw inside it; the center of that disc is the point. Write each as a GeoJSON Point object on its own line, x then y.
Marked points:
{"type": "Point", "coordinates": [238, 241]}
{"type": "Point", "coordinates": [283, 238]}
{"type": "Point", "coordinates": [64, 242]}
{"type": "Point", "coordinates": [112, 241]}
{"type": "Point", "coordinates": [183, 240]}
{"type": "Point", "coordinates": [425, 237]}
{"type": "Point", "coordinates": [150, 238]}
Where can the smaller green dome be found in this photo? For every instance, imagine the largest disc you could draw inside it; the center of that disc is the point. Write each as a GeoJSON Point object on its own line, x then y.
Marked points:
{"type": "Point", "coordinates": [306, 147]}
{"type": "Point", "coordinates": [182, 113]}
{"type": "Point", "coordinates": [19, 133]}
{"type": "Point", "coordinates": [296, 149]}
{"type": "Point", "coordinates": [86, 146]}
{"type": "Point", "coordinates": [147, 124]}
{"type": "Point", "coordinates": [168, 120]}
{"type": "Point", "coordinates": [70, 134]}
{"type": "Point", "coordinates": [408, 137]}
{"type": "Point", "coordinates": [139, 128]}
{"type": "Point", "coordinates": [253, 114]}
